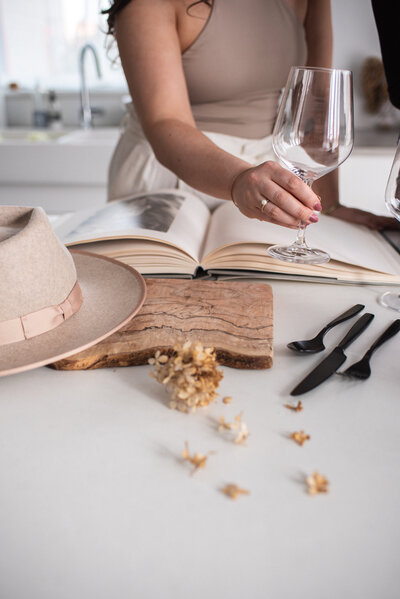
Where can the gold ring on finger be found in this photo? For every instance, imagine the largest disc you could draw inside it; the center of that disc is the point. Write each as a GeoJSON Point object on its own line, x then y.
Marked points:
{"type": "Point", "coordinates": [264, 202]}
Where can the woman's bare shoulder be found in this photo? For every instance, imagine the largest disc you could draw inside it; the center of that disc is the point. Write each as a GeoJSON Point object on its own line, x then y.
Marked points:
{"type": "Point", "coordinates": [148, 8]}
{"type": "Point", "coordinates": [185, 17]}
{"type": "Point", "coordinates": [179, 8]}
{"type": "Point", "coordinates": [299, 7]}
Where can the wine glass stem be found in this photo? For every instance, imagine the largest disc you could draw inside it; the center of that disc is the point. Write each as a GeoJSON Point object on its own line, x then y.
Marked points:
{"type": "Point", "coordinates": [301, 230]}
{"type": "Point", "coordinates": [300, 239]}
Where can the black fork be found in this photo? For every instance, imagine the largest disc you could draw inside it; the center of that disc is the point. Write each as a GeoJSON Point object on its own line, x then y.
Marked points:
{"type": "Point", "coordinates": [362, 369]}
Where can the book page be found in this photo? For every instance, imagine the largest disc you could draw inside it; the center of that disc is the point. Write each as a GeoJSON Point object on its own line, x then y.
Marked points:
{"type": "Point", "coordinates": [345, 242]}
{"type": "Point", "coordinates": [146, 255]}
{"type": "Point", "coordinates": [173, 217]}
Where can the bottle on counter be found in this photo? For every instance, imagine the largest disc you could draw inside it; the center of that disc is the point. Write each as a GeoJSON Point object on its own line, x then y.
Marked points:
{"type": "Point", "coordinates": [54, 116]}
{"type": "Point", "coordinates": [39, 117]}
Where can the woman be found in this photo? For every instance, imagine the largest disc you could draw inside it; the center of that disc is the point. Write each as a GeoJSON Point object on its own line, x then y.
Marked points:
{"type": "Point", "coordinates": [205, 79]}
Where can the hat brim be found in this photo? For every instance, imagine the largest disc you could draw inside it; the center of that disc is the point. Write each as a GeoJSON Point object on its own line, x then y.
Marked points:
{"type": "Point", "coordinates": [113, 293]}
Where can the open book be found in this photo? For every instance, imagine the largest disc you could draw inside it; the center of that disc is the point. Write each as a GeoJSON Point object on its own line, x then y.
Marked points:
{"type": "Point", "coordinates": [173, 233]}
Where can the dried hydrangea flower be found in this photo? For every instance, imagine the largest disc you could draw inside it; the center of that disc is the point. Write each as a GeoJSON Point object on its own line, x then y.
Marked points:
{"type": "Point", "coordinates": [227, 400]}
{"type": "Point", "coordinates": [317, 483]}
{"type": "Point", "coordinates": [191, 375]}
{"type": "Point", "coordinates": [158, 358]}
{"type": "Point", "coordinates": [233, 491]}
{"type": "Point", "coordinates": [300, 437]}
{"type": "Point", "coordinates": [198, 460]}
{"type": "Point", "coordinates": [296, 408]}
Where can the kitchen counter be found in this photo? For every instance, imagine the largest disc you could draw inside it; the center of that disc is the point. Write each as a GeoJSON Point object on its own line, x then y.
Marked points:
{"type": "Point", "coordinates": [67, 170]}
{"type": "Point", "coordinates": [375, 138]}
{"type": "Point", "coordinates": [96, 502]}
{"type": "Point", "coordinates": [58, 170]}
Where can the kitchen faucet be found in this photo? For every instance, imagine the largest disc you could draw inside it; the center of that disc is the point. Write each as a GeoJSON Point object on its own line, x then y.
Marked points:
{"type": "Point", "coordinates": [86, 109]}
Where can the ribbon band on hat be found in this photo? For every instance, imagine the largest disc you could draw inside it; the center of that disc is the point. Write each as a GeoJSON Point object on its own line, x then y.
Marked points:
{"type": "Point", "coordinates": [41, 321]}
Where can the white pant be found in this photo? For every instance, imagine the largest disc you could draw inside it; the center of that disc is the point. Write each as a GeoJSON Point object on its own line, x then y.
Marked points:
{"type": "Point", "coordinates": [135, 169]}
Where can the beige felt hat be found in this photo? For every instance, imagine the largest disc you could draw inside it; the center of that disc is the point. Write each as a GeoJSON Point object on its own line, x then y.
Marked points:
{"type": "Point", "coordinates": [54, 303]}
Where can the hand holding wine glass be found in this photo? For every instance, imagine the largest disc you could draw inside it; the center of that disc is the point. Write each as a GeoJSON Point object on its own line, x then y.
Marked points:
{"type": "Point", "coordinates": [313, 134]}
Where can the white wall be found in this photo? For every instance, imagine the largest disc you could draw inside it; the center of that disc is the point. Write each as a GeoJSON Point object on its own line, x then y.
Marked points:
{"type": "Point", "coordinates": [2, 109]}
{"type": "Point", "coordinates": [355, 38]}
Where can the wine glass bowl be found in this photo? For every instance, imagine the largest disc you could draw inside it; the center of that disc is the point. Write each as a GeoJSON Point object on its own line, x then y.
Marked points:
{"type": "Point", "coordinates": [392, 192]}
{"type": "Point", "coordinates": [313, 134]}
{"type": "Point", "coordinates": [391, 299]}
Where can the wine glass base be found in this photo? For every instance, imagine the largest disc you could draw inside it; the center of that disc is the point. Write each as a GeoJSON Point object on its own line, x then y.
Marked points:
{"type": "Point", "coordinates": [390, 300]}
{"type": "Point", "coordinates": [299, 254]}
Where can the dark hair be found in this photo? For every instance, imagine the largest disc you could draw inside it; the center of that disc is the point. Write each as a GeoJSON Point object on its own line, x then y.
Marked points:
{"type": "Point", "coordinates": [118, 5]}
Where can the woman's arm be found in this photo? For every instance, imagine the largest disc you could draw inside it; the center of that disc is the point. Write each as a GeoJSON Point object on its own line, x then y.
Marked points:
{"type": "Point", "coordinates": [150, 51]}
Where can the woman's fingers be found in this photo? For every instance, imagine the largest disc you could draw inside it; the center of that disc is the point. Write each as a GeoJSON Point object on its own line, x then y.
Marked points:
{"type": "Point", "coordinates": [368, 219]}
{"type": "Point", "coordinates": [273, 213]}
{"type": "Point", "coordinates": [283, 200]}
{"type": "Point", "coordinates": [289, 200]}
{"type": "Point", "coordinates": [295, 187]}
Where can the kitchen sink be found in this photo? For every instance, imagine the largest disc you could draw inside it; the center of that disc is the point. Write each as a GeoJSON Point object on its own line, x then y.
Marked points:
{"type": "Point", "coordinates": [31, 136]}
{"type": "Point", "coordinates": [101, 136]}
{"type": "Point", "coordinates": [66, 157]}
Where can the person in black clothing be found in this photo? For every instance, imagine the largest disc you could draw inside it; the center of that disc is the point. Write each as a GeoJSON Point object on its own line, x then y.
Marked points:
{"type": "Point", "coordinates": [387, 18]}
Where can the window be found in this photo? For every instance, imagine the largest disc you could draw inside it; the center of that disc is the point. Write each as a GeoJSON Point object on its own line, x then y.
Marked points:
{"type": "Point", "coordinates": [40, 42]}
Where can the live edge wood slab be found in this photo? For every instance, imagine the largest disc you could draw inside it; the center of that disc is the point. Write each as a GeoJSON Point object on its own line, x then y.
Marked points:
{"type": "Point", "coordinates": [235, 317]}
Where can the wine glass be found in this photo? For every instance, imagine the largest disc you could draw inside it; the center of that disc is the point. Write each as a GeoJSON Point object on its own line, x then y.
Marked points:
{"type": "Point", "coordinates": [313, 134]}
{"type": "Point", "coordinates": [391, 299]}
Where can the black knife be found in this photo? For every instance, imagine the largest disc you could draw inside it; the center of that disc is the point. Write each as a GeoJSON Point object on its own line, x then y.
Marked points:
{"type": "Point", "coordinates": [331, 363]}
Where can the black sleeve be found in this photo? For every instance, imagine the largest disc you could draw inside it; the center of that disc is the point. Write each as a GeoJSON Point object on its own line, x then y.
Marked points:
{"type": "Point", "coordinates": [387, 17]}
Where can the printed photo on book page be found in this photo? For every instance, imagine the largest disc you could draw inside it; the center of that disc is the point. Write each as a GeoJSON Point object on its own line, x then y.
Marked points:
{"type": "Point", "coordinates": [173, 217]}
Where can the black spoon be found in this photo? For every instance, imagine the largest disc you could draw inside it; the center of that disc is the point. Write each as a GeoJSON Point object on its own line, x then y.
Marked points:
{"type": "Point", "coordinates": [312, 346]}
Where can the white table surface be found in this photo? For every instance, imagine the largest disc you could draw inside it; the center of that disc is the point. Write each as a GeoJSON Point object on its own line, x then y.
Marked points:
{"type": "Point", "coordinates": [96, 502]}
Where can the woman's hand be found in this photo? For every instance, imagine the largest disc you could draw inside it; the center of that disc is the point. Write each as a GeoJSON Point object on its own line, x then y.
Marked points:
{"type": "Point", "coordinates": [289, 200]}
{"type": "Point", "coordinates": [362, 217]}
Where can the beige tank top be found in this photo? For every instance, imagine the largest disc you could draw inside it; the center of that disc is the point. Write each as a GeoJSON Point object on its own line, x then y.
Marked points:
{"type": "Point", "coordinates": [237, 66]}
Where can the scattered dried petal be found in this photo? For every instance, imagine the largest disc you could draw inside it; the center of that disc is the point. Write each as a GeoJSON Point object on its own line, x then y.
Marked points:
{"type": "Point", "coordinates": [190, 375]}
{"type": "Point", "coordinates": [227, 400]}
{"type": "Point", "coordinates": [317, 483]}
{"type": "Point", "coordinates": [300, 437]}
{"type": "Point", "coordinates": [237, 425]}
{"type": "Point", "coordinates": [223, 425]}
{"type": "Point", "coordinates": [296, 408]}
{"type": "Point", "coordinates": [198, 460]}
{"type": "Point", "coordinates": [233, 491]}
{"type": "Point", "coordinates": [242, 435]}
{"type": "Point", "coordinates": [238, 421]}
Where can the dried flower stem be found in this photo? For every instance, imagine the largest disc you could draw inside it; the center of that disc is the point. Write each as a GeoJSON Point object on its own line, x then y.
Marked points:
{"type": "Point", "coordinates": [296, 408]}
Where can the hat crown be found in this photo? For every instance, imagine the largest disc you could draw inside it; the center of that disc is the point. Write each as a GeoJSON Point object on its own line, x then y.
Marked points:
{"type": "Point", "coordinates": [36, 269]}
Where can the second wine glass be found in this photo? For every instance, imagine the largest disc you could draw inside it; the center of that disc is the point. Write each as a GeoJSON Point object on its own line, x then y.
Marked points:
{"type": "Point", "coordinates": [313, 134]}
{"type": "Point", "coordinates": [391, 299]}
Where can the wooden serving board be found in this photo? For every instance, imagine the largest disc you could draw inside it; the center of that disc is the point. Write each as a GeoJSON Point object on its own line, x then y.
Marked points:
{"type": "Point", "coordinates": [233, 317]}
